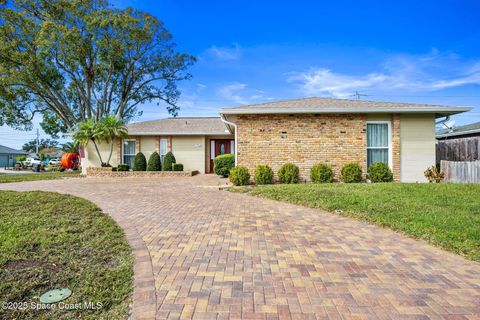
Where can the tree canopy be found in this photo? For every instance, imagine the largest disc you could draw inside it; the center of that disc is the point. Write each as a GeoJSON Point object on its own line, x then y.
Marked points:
{"type": "Point", "coordinates": [30, 146]}
{"type": "Point", "coordinates": [75, 60]}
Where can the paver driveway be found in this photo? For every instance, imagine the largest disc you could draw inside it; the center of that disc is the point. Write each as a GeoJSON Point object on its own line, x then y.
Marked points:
{"type": "Point", "coordinates": [219, 255]}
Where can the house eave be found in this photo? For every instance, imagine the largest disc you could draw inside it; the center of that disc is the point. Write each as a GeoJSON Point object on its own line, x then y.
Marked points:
{"type": "Point", "coordinates": [179, 133]}
{"type": "Point", "coordinates": [439, 112]}
{"type": "Point", "coordinates": [458, 133]}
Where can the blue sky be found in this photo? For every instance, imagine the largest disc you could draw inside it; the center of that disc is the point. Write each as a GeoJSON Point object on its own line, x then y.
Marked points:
{"type": "Point", "coordinates": [256, 51]}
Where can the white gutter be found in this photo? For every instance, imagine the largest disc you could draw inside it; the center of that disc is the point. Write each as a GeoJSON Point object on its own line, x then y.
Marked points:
{"type": "Point", "coordinates": [222, 117]}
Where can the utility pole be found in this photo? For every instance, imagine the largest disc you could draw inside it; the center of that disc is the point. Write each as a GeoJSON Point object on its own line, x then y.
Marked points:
{"type": "Point", "coordinates": [38, 142]}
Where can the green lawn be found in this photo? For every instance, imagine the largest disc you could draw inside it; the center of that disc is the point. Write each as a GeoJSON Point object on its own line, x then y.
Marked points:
{"type": "Point", "coordinates": [47, 241]}
{"type": "Point", "coordinates": [446, 215]}
{"type": "Point", "coordinates": [19, 177]}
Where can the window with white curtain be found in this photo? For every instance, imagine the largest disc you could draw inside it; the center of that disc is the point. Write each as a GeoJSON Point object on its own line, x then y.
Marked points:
{"type": "Point", "coordinates": [378, 143]}
{"type": "Point", "coordinates": [129, 152]}
{"type": "Point", "coordinates": [163, 148]}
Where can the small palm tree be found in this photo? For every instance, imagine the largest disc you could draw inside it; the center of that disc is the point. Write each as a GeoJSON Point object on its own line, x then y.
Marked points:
{"type": "Point", "coordinates": [104, 130]}
{"type": "Point", "coordinates": [89, 131]}
{"type": "Point", "coordinates": [110, 128]}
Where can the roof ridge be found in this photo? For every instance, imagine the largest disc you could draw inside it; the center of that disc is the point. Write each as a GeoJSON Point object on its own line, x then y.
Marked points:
{"type": "Point", "coordinates": [171, 118]}
{"type": "Point", "coordinates": [335, 99]}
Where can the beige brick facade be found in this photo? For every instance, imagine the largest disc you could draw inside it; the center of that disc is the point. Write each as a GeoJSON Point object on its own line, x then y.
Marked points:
{"type": "Point", "coordinates": [306, 139]}
{"type": "Point", "coordinates": [396, 146]}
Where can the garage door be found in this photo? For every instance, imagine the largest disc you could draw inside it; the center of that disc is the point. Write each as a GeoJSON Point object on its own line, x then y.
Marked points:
{"type": "Point", "coordinates": [3, 160]}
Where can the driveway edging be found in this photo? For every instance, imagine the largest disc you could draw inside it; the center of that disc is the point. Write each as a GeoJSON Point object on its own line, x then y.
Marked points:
{"type": "Point", "coordinates": [144, 293]}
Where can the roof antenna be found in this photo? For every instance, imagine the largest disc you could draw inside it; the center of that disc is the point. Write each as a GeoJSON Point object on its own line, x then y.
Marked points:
{"type": "Point", "coordinates": [358, 95]}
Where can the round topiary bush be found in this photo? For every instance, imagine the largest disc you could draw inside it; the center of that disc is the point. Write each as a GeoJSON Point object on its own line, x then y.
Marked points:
{"type": "Point", "coordinates": [239, 176]}
{"type": "Point", "coordinates": [154, 162]}
{"type": "Point", "coordinates": [223, 164]}
{"type": "Point", "coordinates": [351, 172]}
{"type": "Point", "coordinates": [168, 161]}
{"type": "Point", "coordinates": [140, 162]}
{"type": "Point", "coordinates": [263, 174]}
{"type": "Point", "coordinates": [288, 173]}
{"type": "Point", "coordinates": [380, 172]}
{"type": "Point", "coordinates": [321, 173]}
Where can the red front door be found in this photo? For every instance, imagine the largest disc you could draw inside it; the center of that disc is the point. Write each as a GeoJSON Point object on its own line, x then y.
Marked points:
{"type": "Point", "coordinates": [221, 147]}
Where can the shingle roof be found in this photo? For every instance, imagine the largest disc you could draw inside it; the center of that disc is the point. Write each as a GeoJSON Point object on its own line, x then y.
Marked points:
{"type": "Point", "coordinates": [471, 128]}
{"type": "Point", "coordinates": [4, 149]}
{"type": "Point", "coordinates": [331, 105]}
{"type": "Point", "coordinates": [179, 126]}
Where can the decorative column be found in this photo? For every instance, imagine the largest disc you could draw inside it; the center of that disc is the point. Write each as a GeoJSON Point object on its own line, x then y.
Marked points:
{"type": "Point", "coordinates": [396, 146]}
{"type": "Point", "coordinates": [118, 142]}
{"type": "Point", "coordinates": [138, 143]}
{"type": "Point", "coordinates": [157, 144]}
{"type": "Point", "coordinates": [169, 144]}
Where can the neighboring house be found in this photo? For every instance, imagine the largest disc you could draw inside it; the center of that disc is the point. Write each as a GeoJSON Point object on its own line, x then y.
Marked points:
{"type": "Point", "coordinates": [459, 143]}
{"type": "Point", "coordinates": [8, 155]}
{"type": "Point", "coordinates": [302, 131]}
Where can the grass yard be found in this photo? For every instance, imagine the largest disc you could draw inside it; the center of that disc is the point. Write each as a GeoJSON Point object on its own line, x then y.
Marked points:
{"type": "Point", "coordinates": [446, 215]}
{"type": "Point", "coordinates": [19, 177]}
{"type": "Point", "coordinates": [47, 241]}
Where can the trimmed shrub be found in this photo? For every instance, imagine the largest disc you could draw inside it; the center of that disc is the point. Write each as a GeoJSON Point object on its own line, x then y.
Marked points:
{"type": "Point", "coordinates": [380, 172]}
{"type": "Point", "coordinates": [154, 162]}
{"type": "Point", "coordinates": [288, 173]}
{"type": "Point", "coordinates": [351, 172]}
{"type": "Point", "coordinates": [139, 163]}
{"type": "Point", "coordinates": [122, 167]}
{"type": "Point", "coordinates": [223, 164]}
{"type": "Point", "coordinates": [321, 173]}
{"type": "Point", "coordinates": [20, 158]}
{"type": "Point", "coordinates": [263, 174]}
{"type": "Point", "coordinates": [177, 167]}
{"type": "Point", "coordinates": [239, 176]}
{"type": "Point", "coordinates": [168, 161]}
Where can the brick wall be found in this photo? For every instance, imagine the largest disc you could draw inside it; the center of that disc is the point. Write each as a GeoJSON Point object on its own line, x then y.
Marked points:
{"type": "Point", "coordinates": [302, 139]}
{"type": "Point", "coordinates": [396, 146]}
{"type": "Point", "coordinates": [100, 172]}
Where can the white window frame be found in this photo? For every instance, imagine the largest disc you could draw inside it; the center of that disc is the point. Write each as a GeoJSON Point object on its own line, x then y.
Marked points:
{"type": "Point", "coordinates": [389, 132]}
{"type": "Point", "coordinates": [123, 149]}
{"type": "Point", "coordinates": [160, 147]}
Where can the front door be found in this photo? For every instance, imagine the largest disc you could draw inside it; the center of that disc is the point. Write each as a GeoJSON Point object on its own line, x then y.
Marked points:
{"type": "Point", "coordinates": [219, 147]}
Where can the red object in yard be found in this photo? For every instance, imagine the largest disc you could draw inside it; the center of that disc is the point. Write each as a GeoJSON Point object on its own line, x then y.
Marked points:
{"type": "Point", "coordinates": [69, 160]}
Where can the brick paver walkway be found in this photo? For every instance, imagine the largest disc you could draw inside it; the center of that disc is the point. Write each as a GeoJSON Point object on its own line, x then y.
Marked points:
{"type": "Point", "coordinates": [208, 254]}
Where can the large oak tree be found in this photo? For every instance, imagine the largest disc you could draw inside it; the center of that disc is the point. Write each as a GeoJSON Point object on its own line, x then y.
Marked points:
{"type": "Point", "coordinates": [75, 60]}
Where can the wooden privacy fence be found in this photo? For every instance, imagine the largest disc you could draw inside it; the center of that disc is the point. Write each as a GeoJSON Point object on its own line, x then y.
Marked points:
{"type": "Point", "coordinates": [461, 171]}
{"type": "Point", "coordinates": [460, 149]}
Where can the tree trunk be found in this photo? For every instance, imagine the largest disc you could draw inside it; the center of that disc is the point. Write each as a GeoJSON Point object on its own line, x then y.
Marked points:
{"type": "Point", "coordinates": [111, 151]}
{"type": "Point", "coordinates": [98, 152]}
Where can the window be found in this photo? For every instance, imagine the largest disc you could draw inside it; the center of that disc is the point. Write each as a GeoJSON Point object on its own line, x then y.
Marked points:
{"type": "Point", "coordinates": [129, 152]}
{"type": "Point", "coordinates": [378, 143]}
{"type": "Point", "coordinates": [163, 148]}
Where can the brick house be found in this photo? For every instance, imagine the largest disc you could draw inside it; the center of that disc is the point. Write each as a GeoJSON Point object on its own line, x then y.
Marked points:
{"type": "Point", "coordinates": [302, 131]}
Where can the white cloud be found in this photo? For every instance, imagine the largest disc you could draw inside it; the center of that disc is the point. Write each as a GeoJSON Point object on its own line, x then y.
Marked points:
{"type": "Point", "coordinates": [225, 53]}
{"type": "Point", "coordinates": [240, 93]}
{"type": "Point", "coordinates": [409, 73]}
